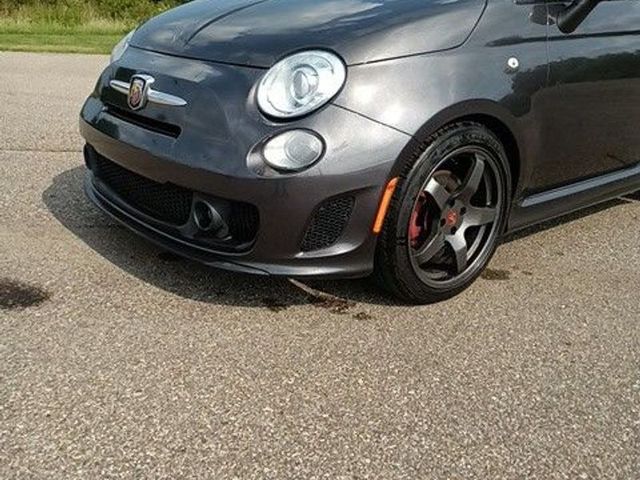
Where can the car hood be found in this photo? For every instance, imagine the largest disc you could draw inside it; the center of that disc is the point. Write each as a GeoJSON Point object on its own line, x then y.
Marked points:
{"type": "Point", "coordinates": [260, 32]}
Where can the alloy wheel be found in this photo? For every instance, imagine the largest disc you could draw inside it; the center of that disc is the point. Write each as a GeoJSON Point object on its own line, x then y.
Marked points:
{"type": "Point", "coordinates": [455, 217]}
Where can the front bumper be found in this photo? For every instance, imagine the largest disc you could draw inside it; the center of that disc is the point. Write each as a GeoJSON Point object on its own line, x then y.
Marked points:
{"type": "Point", "coordinates": [209, 153]}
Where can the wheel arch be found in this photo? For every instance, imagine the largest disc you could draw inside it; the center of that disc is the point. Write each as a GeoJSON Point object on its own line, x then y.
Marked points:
{"type": "Point", "coordinates": [490, 114]}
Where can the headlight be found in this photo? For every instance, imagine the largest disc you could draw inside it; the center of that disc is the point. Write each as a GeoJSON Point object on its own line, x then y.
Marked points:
{"type": "Point", "coordinates": [121, 47]}
{"type": "Point", "coordinates": [301, 83]}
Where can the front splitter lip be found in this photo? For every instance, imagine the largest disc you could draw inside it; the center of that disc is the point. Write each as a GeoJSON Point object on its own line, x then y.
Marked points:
{"type": "Point", "coordinates": [321, 268]}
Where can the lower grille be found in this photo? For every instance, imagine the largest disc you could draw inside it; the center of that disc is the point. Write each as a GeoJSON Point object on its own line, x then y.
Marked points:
{"type": "Point", "coordinates": [165, 202]}
{"type": "Point", "coordinates": [172, 204]}
{"type": "Point", "coordinates": [328, 223]}
{"type": "Point", "coordinates": [243, 222]}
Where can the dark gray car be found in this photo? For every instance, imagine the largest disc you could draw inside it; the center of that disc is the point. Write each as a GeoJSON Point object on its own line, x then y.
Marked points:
{"type": "Point", "coordinates": [400, 138]}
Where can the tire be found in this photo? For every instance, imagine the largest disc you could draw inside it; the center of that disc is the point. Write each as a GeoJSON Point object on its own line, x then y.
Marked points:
{"type": "Point", "coordinates": [434, 203]}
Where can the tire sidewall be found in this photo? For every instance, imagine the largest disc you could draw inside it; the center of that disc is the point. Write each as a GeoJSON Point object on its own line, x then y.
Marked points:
{"type": "Point", "coordinates": [468, 134]}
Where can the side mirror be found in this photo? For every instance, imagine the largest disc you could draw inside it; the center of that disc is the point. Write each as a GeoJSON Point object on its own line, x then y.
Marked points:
{"type": "Point", "coordinates": [571, 17]}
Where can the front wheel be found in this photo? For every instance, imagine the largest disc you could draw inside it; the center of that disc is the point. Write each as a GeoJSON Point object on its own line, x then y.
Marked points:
{"type": "Point", "coordinates": [446, 215]}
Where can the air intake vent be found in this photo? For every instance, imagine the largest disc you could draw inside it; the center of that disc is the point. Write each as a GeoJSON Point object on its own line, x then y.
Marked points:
{"type": "Point", "coordinates": [144, 122]}
{"type": "Point", "coordinates": [165, 202]}
{"type": "Point", "coordinates": [172, 204]}
{"type": "Point", "coordinates": [328, 223]}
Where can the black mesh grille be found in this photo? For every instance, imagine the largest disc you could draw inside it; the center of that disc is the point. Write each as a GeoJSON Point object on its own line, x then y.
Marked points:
{"type": "Point", "coordinates": [164, 202]}
{"type": "Point", "coordinates": [172, 204]}
{"type": "Point", "coordinates": [328, 223]}
{"type": "Point", "coordinates": [243, 222]}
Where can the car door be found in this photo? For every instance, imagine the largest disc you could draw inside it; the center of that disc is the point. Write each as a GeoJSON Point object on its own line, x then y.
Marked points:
{"type": "Point", "coordinates": [592, 103]}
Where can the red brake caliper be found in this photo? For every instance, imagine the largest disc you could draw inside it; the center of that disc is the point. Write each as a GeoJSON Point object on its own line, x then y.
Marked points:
{"type": "Point", "coordinates": [418, 221]}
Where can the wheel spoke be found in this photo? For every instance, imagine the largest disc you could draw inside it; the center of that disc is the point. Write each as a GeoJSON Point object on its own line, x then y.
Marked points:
{"type": "Point", "coordinates": [476, 217]}
{"type": "Point", "coordinates": [438, 192]}
{"type": "Point", "coordinates": [460, 250]}
{"type": "Point", "coordinates": [472, 183]}
{"type": "Point", "coordinates": [429, 249]}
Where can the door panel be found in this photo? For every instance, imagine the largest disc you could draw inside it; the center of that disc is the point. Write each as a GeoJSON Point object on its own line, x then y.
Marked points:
{"type": "Point", "coordinates": [592, 105]}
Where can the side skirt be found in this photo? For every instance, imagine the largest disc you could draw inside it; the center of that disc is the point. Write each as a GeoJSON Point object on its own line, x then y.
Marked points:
{"type": "Point", "coordinates": [576, 196]}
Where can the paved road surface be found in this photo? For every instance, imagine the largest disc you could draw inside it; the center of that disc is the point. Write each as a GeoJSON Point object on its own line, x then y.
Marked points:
{"type": "Point", "coordinates": [130, 363]}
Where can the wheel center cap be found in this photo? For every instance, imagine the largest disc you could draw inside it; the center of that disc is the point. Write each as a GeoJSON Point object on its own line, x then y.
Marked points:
{"type": "Point", "coordinates": [452, 218]}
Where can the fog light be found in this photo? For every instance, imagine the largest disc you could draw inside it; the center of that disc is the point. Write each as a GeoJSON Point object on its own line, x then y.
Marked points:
{"type": "Point", "coordinates": [293, 151]}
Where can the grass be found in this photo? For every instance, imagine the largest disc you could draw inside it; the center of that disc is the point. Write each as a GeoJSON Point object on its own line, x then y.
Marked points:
{"type": "Point", "coordinates": [67, 43]}
{"type": "Point", "coordinates": [93, 37]}
{"type": "Point", "coordinates": [97, 37]}
{"type": "Point", "coordinates": [71, 26]}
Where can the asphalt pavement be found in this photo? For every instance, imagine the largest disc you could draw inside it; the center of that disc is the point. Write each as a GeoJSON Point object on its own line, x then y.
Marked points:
{"type": "Point", "coordinates": [118, 360]}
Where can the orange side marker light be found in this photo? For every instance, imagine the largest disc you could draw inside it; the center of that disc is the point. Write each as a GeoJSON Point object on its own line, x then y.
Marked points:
{"type": "Point", "coordinates": [384, 205]}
